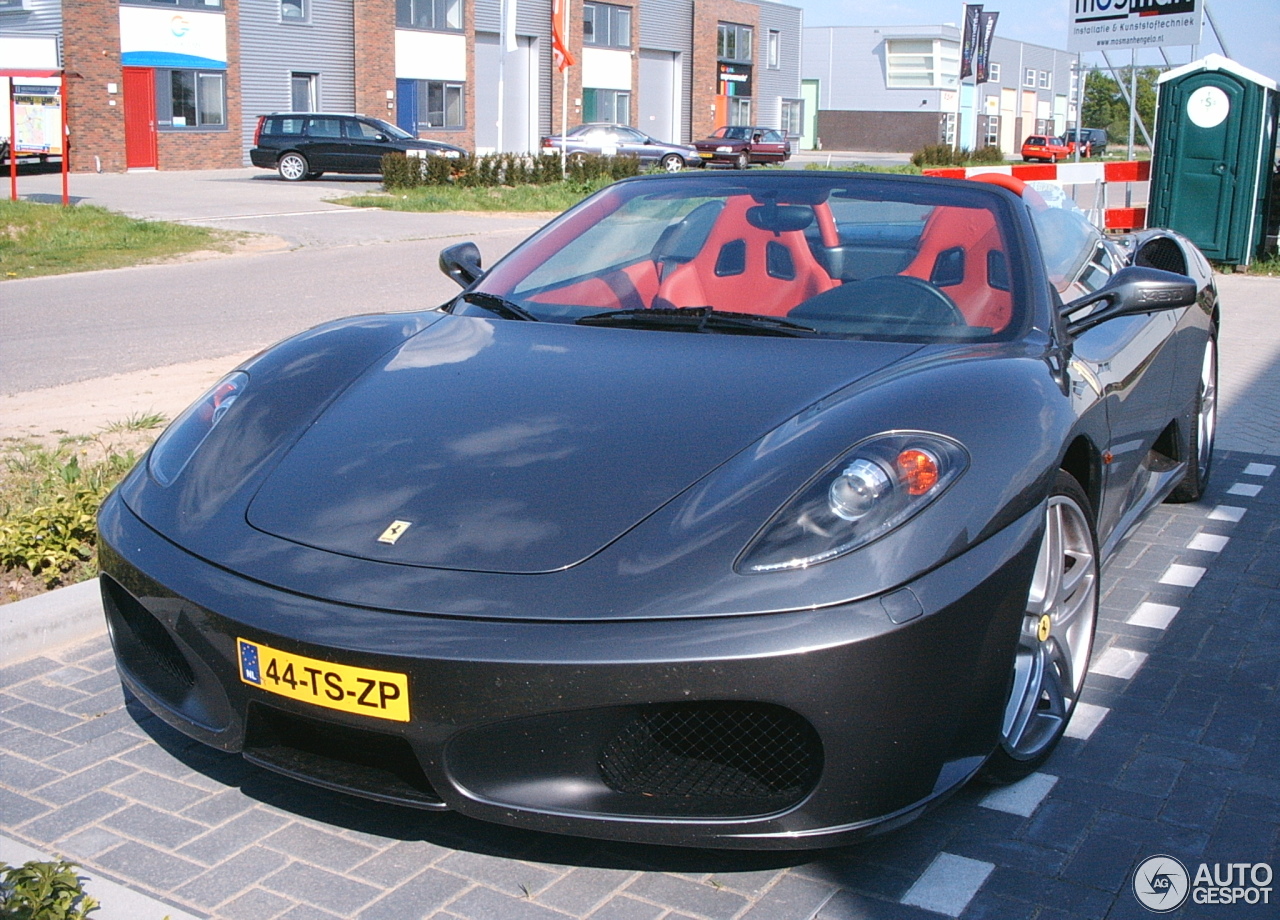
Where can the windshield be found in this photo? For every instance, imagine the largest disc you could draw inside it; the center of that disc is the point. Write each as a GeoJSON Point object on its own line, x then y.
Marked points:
{"type": "Point", "coordinates": [391, 130]}
{"type": "Point", "coordinates": [864, 256]}
{"type": "Point", "coordinates": [737, 132]}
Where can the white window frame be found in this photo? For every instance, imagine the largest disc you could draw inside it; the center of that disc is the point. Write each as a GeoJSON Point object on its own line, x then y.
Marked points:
{"type": "Point", "coordinates": [1045, 81]}
{"type": "Point", "coordinates": [1029, 78]}
{"type": "Point", "coordinates": [304, 12]}
{"type": "Point", "coordinates": [993, 72]}
{"type": "Point", "coordinates": [775, 49]}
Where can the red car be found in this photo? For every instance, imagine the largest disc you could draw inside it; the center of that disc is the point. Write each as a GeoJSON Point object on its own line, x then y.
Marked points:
{"type": "Point", "coordinates": [741, 145]}
{"type": "Point", "coordinates": [1042, 147]}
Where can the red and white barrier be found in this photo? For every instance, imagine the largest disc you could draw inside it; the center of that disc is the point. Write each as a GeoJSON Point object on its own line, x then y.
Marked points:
{"type": "Point", "coordinates": [1082, 173]}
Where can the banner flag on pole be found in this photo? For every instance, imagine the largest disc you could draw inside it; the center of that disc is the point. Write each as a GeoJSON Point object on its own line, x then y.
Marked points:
{"type": "Point", "coordinates": [983, 66]}
{"type": "Point", "coordinates": [559, 26]}
{"type": "Point", "coordinates": [509, 26]}
{"type": "Point", "coordinates": [972, 36]}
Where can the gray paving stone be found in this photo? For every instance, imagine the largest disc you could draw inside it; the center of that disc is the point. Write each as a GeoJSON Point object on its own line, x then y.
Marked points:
{"type": "Point", "coordinates": [419, 897]}
{"type": "Point", "coordinates": [235, 835]}
{"type": "Point", "coordinates": [30, 743]}
{"type": "Point", "coordinates": [90, 842]}
{"type": "Point", "coordinates": [42, 718]}
{"type": "Point", "coordinates": [1102, 862]}
{"type": "Point", "coordinates": [25, 775]}
{"type": "Point", "coordinates": [94, 751]}
{"type": "Point", "coordinates": [17, 809]}
{"type": "Point", "coordinates": [255, 905]}
{"type": "Point", "coordinates": [748, 884]}
{"type": "Point", "coordinates": [401, 860]}
{"type": "Point", "coordinates": [216, 809]}
{"type": "Point", "coordinates": [98, 703]}
{"type": "Point", "coordinates": [790, 898]}
{"type": "Point", "coordinates": [232, 876]}
{"type": "Point", "coordinates": [155, 868]}
{"type": "Point", "coordinates": [1150, 774]}
{"type": "Point", "coordinates": [486, 904]}
{"type": "Point", "coordinates": [321, 887]}
{"type": "Point", "coordinates": [53, 696]}
{"type": "Point", "coordinates": [159, 792]}
{"type": "Point", "coordinates": [515, 878]}
{"type": "Point", "coordinates": [15, 674]}
{"type": "Point", "coordinates": [583, 888]}
{"type": "Point", "coordinates": [624, 908]}
{"type": "Point", "coordinates": [682, 894]}
{"type": "Point", "coordinates": [73, 817]}
{"type": "Point", "coordinates": [149, 825]}
{"type": "Point", "coordinates": [87, 781]}
{"type": "Point", "coordinates": [310, 844]}
{"type": "Point", "coordinates": [307, 912]}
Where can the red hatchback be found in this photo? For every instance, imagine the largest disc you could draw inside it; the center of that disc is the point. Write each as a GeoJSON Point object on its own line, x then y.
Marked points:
{"type": "Point", "coordinates": [741, 145]}
{"type": "Point", "coordinates": [1042, 147]}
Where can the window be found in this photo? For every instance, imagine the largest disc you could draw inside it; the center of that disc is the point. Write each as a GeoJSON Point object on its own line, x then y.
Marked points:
{"type": "Point", "coordinates": [949, 129]}
{"type": "Point", "coordinates": [1030, 78]}
{"type": "Point", "coordinates": [440, 104]}
{"type": "Point", "coordinates": [993, 72]}
{"type": "Point", "coordinates": [8, 6]}
{"type": "Point", "coordinates": [294, 11]}
{"type": "Point", "coordinates": [921, 63]}
{"type": "Point", "coordinates": [792, 117]}
{"type": "Point", "coordinates": [739, 111]}
{"type": "Point", "coordinates": [1044, 79]}
{"type": "Point", "coordinates": [606, 26]}
{"type": "Point", "coordinates": [302, 92]}
{"type": "Point", "coordinates": [991, 137]}
{"type": "Point", "coordinates": [775, 53]}
{"type": "Point", "coordinates": [191, 99]}
{"type": "Point", "coordinates": [440, 15]}
{"type": "Point", "coordinates": [608, 105]}
{"type": "Point", "coordinates": [733, 43]}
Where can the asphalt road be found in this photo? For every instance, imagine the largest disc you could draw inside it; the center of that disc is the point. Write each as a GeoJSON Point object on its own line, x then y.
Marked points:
{"type": "Point", "coordinates": [329, 261]}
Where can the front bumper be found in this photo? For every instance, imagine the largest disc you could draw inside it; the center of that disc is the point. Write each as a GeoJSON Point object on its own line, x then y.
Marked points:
{"type": "Point", "coordinates": [784, 730]}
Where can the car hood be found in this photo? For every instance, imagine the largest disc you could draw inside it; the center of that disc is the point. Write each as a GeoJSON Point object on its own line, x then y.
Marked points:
{"type": "Point", "coordinates": [515, 447]}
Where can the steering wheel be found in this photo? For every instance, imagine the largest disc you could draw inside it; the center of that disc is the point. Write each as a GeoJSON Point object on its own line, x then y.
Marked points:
{"type": "Point", "coordinates": [901, 299]}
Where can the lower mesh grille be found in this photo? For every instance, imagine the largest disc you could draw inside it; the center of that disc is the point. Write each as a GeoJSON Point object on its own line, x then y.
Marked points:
{"type": "Point", "coordinates": [720, 752]}
{"type": "Point", "coordinates": [145, 646]}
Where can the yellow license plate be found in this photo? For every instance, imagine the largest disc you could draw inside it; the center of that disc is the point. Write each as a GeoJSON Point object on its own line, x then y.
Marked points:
{"type": "Point", "coordinates": [380, 694]}
{"type": "Point", "coordinates": [705, 155]}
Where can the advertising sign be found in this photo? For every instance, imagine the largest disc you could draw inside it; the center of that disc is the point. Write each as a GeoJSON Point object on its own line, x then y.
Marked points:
{"type": "Point", "coordinates": [183, 39]}
{"type": "Point", "coordinates": [1101, 25]}
{"type": "Point", "coordinates": [37, 120]}
{"type": "Point", "coordinates": [734, 79]}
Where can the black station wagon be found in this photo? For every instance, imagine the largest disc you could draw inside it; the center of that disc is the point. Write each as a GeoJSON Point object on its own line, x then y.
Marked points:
{"type": "Point", "coordinates": [305, 145]}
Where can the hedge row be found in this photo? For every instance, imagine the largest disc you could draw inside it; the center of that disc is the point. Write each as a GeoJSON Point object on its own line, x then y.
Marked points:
{"type": "Point", "coordinates": [946, 155]}
{"type": "Point", "coordinates": [401, 172]}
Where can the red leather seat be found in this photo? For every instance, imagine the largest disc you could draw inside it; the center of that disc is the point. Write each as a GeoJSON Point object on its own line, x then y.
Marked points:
{"type": "Point", "coordinates": [744, 268]}
{"type": "Point", "coordinates": [960, 252]}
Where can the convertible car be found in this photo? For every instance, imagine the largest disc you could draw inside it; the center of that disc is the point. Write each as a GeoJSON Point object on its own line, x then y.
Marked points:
{"type": "Point", "coordinates": [728, 510]}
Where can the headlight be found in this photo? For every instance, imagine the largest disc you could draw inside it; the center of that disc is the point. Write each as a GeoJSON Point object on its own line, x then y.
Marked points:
{"type": "Point", "coordinates": [450, 154]}
{"type": "Point", "coordinates": [180, 440]}
{"type": "Point", "coordinates": [724, 150]}
{"type": "Point", "coordinates": [874, 488]}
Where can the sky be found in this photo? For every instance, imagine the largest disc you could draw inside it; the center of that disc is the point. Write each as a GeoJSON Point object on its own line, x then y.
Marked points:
{"type": "Point", "coordinates": [1250, 28]}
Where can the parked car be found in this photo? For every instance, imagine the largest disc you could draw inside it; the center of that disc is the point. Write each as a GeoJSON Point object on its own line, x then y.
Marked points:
{"type": "Point", "coordinates": [604, 139]}
{"type": "Point", "coordinates": [727, 510]}
{"type": "Point", "coordinates": [1043, 147]}
{"type": "Point", "coordinates": [306, 145]}
{"type": "Point", "coordinates": [1093, 139]}
{"type": "Point", "coordinates": [741, 145]}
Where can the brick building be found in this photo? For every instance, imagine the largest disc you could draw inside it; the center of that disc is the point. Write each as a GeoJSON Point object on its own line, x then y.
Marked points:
{"type": "Point", "coordinates": [178, 84]}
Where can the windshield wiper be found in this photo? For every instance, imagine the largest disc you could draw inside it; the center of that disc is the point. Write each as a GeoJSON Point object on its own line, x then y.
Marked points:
{"type": "Point", "coordinates": [698, 319]}
{"type": "Point", "coordinates": [497, 306]}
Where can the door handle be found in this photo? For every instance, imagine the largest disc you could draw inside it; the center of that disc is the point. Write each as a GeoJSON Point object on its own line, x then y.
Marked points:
{"type": "Point", "coordinates": [1220, 168]}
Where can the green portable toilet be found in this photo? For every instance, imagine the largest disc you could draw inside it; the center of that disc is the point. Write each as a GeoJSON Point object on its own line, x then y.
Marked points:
{"type": "Point", "coordinates": [1212, 159]}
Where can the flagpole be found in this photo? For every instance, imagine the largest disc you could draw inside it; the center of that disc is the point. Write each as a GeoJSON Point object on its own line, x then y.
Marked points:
{"type": "Point", "coordinates": [564, 96]}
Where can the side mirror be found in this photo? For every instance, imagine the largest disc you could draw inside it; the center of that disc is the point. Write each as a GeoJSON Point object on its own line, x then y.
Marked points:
{"type": "Point", "coordinates": [1131, 291]}
{"type": "Point", "coordinates": [461, 262]}
{"type": "Point", "coordinates": [380, 137]}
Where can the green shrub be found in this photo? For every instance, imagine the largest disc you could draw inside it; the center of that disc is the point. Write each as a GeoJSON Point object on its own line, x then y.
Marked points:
{"type": "Point", "coordinates": [990, 154]}
{"type": "Point", "coordinates": [43, 891]}
{"type": "Point", "coordinates": [502, 169]}
{"type": "Point", "coordinates": [51, 538]}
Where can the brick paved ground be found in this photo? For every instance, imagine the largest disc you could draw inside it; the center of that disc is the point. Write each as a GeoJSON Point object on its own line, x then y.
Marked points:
{"type": "Point", "coordinates": [1176, 752]}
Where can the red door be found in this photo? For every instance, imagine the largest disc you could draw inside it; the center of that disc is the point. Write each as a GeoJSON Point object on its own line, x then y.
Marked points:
{"type": "Point", "coordinates": [139, 117]}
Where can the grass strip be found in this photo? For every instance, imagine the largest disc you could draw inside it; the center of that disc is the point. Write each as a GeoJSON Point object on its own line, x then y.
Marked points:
{"type": "Point", "coordinates": [49, 239]}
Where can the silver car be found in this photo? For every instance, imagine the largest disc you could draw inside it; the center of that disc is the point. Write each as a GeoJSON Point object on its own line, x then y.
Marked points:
{"type": "Point", "coordinates": [623, 140]}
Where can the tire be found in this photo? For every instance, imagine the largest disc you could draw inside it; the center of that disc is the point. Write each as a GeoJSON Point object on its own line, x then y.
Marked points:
{"type": "Point", "coordinates": [1203, 429]}
{"type": "Point", "coordinates": [742, 161]}
{"type": "Point", "coordinates": [672, 162]}
{"type": "Point", "coordinates": [1053, 158]}
{"type": "Point", "coordinates": [315, 174]}
{"type": "Point", "coordinates": [293, 167]}
{"type": "Point", "coordinates": [1055, 639]}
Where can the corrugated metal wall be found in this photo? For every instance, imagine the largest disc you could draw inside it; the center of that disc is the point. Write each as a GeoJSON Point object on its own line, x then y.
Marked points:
{"type": "Point", "coordinates": [771, 86]}
{"type": "Point", "coordinates": [533, 18]}
{"type": "Point", "coordinates": [270, 51]}
{"type": "Point", "coordinates": [43, 16]}
{"type": "Point", "coordinates": [667, 25]}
